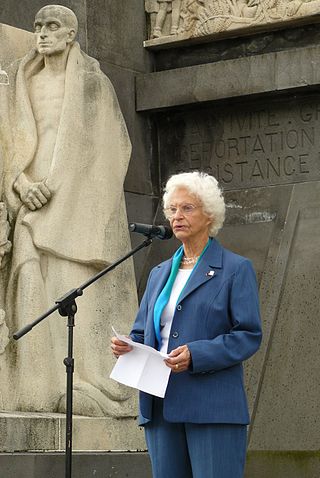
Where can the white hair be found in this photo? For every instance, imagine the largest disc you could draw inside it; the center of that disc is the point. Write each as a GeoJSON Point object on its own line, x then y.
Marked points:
{"type": "Point", "coordinates": [206, 189]}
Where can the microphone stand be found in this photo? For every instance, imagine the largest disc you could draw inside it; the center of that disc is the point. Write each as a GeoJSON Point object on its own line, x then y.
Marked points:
{"type": "Point", "coordinates": [67, 307]}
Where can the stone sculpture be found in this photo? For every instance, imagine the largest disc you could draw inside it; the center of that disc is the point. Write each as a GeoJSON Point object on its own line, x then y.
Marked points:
{"type": "Point", "coordinates": [165, 6]}
{"type": "Point", "coordinates": [5, 247]}
{"type": "Point", "coordinates": [5, 244]}
{"type": "Point", "coordinates": [159, 11]}
{"type": "Point", "coordinates": [66, 150]}
{"type": "Point", "coordinates": [207, 17]}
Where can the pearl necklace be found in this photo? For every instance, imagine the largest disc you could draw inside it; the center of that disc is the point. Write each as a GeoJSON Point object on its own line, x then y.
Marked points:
{"type": "Point", "coordinates": [189, 260]}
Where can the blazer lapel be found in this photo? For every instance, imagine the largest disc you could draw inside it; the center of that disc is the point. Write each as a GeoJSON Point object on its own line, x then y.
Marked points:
{"type": "Point", "coordinates": [206, 269]}
{"type": "Point", "coordinates": [159, 279]}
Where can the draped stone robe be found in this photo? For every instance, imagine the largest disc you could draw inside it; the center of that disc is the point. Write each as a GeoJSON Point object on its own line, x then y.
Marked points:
{"type": "Point", "coordinates": [82, 229]}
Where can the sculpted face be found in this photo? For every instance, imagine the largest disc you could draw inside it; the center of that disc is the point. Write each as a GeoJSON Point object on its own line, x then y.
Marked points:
{"type": "Point", "coordinates": [54, 31]}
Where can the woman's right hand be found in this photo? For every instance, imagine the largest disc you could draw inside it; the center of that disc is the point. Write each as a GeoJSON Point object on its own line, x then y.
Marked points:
{"type": "Point", "coordinates": [119, 347]}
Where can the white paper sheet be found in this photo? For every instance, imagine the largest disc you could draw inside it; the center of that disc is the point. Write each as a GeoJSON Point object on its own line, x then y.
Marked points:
{"type": "Point", "coordinates": [142, 368]}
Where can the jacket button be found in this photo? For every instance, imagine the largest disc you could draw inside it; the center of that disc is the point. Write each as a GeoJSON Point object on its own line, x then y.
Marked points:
{"type": "Point", "coordinates": [179, 307]}
{"type": "Point", "coordinates": [175, 335]}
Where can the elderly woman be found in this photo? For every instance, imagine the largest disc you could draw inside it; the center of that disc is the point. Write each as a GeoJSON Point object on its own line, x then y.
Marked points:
{"type": "Point", "coordinates": [201, 307]}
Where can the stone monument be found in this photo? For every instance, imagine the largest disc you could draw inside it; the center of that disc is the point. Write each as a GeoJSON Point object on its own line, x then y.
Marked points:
{"type": "Point", "coordinates": [65, 153]}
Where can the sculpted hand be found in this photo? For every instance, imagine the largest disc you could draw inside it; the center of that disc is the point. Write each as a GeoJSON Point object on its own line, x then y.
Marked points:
{"type": "Point", "coordinates": [179, 359]}
{"type": "Point", "coordinates": [119, 348]}
{"type": "Point", "coordinates": [33, 195]}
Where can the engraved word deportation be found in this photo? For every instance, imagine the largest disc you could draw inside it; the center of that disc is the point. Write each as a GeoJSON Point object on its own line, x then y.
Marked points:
{"type": "Point", "coordinates": [253, 148]}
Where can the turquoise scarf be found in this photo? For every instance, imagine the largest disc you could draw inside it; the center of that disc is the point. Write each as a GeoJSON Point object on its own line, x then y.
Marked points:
{"type": "Point", "coordinates": [164, 296]}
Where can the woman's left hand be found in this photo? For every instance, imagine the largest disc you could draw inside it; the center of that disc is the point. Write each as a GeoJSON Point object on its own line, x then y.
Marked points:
{"type": "Point", "coordinates": [179, 359]}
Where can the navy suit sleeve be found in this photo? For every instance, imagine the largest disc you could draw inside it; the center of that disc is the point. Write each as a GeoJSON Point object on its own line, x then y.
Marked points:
{"type": "Point", "coordinates": [137, 332]}
{"type": "Point", "coordinates": [244, 337]}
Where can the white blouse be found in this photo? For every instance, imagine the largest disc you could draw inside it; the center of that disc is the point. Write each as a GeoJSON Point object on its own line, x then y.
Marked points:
{"type": "Point", "coordinates": [169, 310]}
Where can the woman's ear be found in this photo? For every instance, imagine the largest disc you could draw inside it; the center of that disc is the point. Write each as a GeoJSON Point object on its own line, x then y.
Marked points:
{"type": "Point", "coordinates": [210, 221]}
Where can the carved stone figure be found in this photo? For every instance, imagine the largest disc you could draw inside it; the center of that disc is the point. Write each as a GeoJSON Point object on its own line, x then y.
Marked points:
{"type": "Point", "coordinates": [66, 150]}
{"type": "Point", "coordinates": [160, 10]}
{"type": "Point", "coordinates": [5, 244]}
{"type": "Point", "coordinates": [5, 247]}
{"type": "Point", "coordinates": [206, 17]}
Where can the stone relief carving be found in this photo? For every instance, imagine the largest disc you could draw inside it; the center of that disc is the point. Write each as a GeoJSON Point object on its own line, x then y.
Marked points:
{"type": "Point", "coordinates": [5, 244]}
{"type": "Point", "coordinates": [65, 150]}
{"type": "Point", "coordinates": [194, 18]}
{"type": "Point", "coordinates": [159, 10]}
{"type": "Point", "coordinates": [4, 332]}
{"type": "Point", "coordinates": [5, 247]}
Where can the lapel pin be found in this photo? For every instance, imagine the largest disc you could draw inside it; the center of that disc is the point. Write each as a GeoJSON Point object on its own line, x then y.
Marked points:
{"type": "Point", "coordinates": [210, 274]}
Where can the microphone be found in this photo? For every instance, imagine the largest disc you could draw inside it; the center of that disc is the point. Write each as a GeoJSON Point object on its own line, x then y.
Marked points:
{"type": "Point", "coordinates": [160, 232]}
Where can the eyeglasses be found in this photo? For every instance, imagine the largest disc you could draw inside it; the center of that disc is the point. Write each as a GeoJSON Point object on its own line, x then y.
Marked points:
{"type": "Point", "coordinates": [185, 209]}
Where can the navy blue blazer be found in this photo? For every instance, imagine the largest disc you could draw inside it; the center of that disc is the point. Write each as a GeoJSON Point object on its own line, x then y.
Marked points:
{"type": "Point", "coordinates": [218, 317]}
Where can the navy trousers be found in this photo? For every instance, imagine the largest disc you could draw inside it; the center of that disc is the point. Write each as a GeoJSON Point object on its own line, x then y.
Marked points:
{"type": "Point", "coordinates": [191, 450]}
